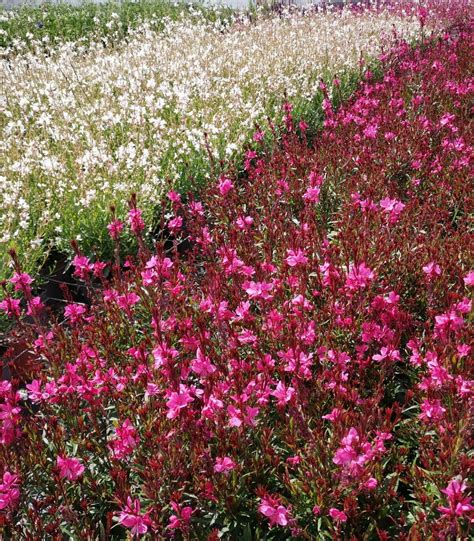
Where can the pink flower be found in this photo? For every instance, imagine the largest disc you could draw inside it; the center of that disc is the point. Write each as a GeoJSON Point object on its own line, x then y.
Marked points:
{"type": "Point", "coordinates": [312, 194]}
{"type": "Point", "coordinates": [371, 131]}
{"type": "Point", "coordinates": [432, 410]}
{"type": "Point", "coordinates": [74, 312]}
{"type": "Point", "coordinates": [178, 401]}
{"type": "Point", "coordinates": [387, 354]}
{"type": "Point", "coordinates": [370, 484]}
{"type": "Point", "coordinates": [295, 258]}
{"type": "Point", "coordinates": [35, 306]}
{"type": "Point", "coordinates": [432, 270]}
{"type": "Point", "coordinates": [22, 281]}
{"type": "Point", "coordinates": [469, 279]}
{"type": "Point", "coordinates": [333, 416]}
{"type": "Point", "coordinates": [283, 393]}
{"type": "Point", "coordinates": [202, 365]}
{"type": "Point", "coordinates": [293, 460]}
{"type": "Point", "coordinates": [244, 222]}
{"type": "Point", "coordinates": [338, 516]}
{"type": "Point", "coordinates": [277, 514]}
{"type": "Point", "coordinates": [125, 440]}
{"type": "Point", "coordinates": [257, 290]}
{"type": "Point", "coordinates": [182, 518]}
{"type": "Point", "coordinates": [224, 465]}
{"type": "Point", "coordinates": [175, 224]}
{"type": "Point", "coordinates": [127, 300]}
{"type": "Point", "coordinates": [447, 322]}
{"type": "Point", "coordinates": [359, 277]}
{"type": "Point", "coordinates": [225, 186]}
{"type": "Point", "coordinates": [115, 228]}
{"type": "Point", "coordinates": [70, 468]}
{"type": "Point", "coordinates": [131, 517]}
{"type": "Point", "coordinates": [458, 504]}
{"type": "Point", "coordinates": [303, 125]}
{"type": "Point", "coordinates": [82, 266]}
{"type": "Point", "coordinates": [174, 196]}
{"type": "Point", "coordinates": [135, 220]}
{"type": "Point", "coordinates": [393, 207]}
{"type": "Point", "coordinates": [9, 491]}
{"type": "Point", "coordinates": [11, 307]}
{"type": "Point", "coordinates": [316, 510]}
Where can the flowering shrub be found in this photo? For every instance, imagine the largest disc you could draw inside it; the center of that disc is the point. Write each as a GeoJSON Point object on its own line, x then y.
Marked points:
{"type": "Point", "coordinates": [96, 123]}
{"type": "Point", "coordinates": [295, 363]}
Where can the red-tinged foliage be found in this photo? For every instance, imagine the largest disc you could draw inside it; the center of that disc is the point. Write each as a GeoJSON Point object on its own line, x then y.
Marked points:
{"type": "Point", "coordinates": [302, 371]}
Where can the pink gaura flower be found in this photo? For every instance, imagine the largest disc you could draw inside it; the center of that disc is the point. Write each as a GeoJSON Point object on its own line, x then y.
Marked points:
{"type": "Point", "coordinates": [175, 224]}
{"type": "Point", "coordinates": [83, 267]}
{"type": "Point", "coordinates": [333, 416]}
{"type": "Point", "coordinates": [258, 290]}
{"type": "Point", "coordinates": [448, 322]}
{"type": "Point", "coordinates": [224, 465]}
{"type": "Point", "coordinates": [432, 410]}
{"type": "Point", "coordinates": [371, 131]}
{"type": "Point", "coordinates": [225, 185]}
{"type": "Point", "coordinates": [9, 491]}
{"type": "Point", "coordinates": [174, 196]}
{"type": "Point", "coordinates": [69, 468]}
{"type": "Point", "coordinates": [202, 365]}
{"type": "Point", "coordinates": [182, 518]}
{"type": "Point", "coordinates": [244, 222]}
{"type": "Point", "coordinates": [127, 300]}
{"type": "Point", "coordinates": [22, 281]}
{"type": "Point", "coordinates": [312, 194]}
{"type": "Point", "coordinates": [74, 312]}
{"type": "Point", "coordinates": [135, 220]}
{"type": "Point", "coordinates": [432, 270]}
{"type": "Point", "coordinates": [387, 354]}
{"type": "Point", "coordinates": [276, 514]}
{"type": "Point", "coordinates": [115, 228]}
{"type": "Point", "coordinates": [295, 258]}
{"type": "Point", "coordinates": [337, 515]}
{"type": "Point", "coordinates": [35, 306]}
{"type": "Point", "coordinates": [125, 440]}
{"type": "Point", "coordinates": [459, 504]}
{"type": "Point", "coordinates": [370, 484]}
{"type": "Point", "coordinates": [178, 401]}
{"type": "Point", "coordinates": [164, 355]}
{"type": "Point", "coordinates": [11, 307]}
{"type": "Point", "coordinates": [131, 517]}
{"type": "Point", "coordinates": [283, 394]}
{"type": "Point", "coordinates": [359, 277]}
{"type": "Point", "coordinates": [392, 207]}
{"type": "Point", "coordinates": [293, 460]}
{"type": "Point", "coordinates": [469, 279]}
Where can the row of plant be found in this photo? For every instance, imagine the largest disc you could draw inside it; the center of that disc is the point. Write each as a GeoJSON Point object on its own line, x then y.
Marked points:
{"type": "Point", "coordinates": [83, 127]}
{"type": "Point", "coordinates": [50, 24]}
{"type": "Point", "coordinates": [294, 362]}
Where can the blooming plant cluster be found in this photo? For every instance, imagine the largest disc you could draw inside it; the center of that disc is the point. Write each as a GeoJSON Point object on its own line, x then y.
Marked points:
{"type": "Point", "coordinates": [82, 126]}
{"type": "Point", "coordinates": [293, 363]}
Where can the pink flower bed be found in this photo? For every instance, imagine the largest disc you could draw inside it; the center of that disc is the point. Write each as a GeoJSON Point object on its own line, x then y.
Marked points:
{"type": "Point", "coordinates": [302, 371]}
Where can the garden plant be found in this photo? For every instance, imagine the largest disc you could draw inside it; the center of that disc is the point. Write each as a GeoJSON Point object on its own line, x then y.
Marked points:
{"type": "Point", "coordinates": [286, 354]}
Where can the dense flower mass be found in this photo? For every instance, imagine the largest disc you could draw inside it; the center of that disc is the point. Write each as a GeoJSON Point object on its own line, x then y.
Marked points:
{"type": "Point", "coordinates": [82, 127]}
{"type": "Point", "coordinates": [291, 359]}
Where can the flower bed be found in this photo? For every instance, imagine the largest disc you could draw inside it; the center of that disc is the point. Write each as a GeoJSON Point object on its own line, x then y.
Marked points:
{"type": "Point", "coordinates": [83, 126]}
{"type": "Point", "coordinates": [301, 371]}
